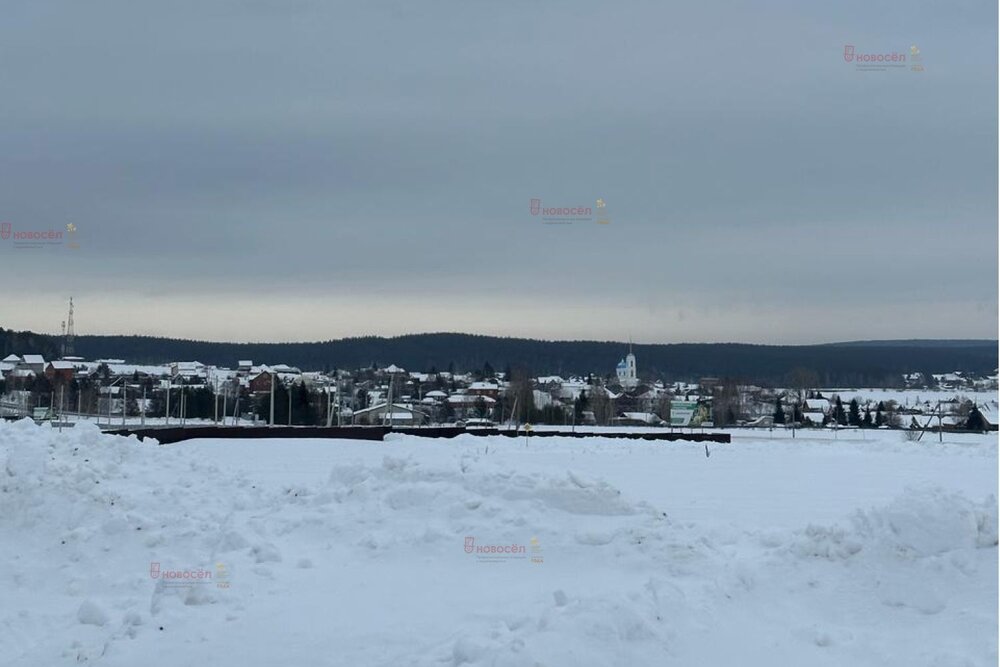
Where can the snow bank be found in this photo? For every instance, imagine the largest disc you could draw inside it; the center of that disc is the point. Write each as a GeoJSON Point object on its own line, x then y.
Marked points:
{"type": "Point", "coordinates": [120, 552]}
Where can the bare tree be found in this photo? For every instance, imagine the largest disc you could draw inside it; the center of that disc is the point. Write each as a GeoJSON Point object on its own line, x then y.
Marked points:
{"type": "Point", "coordinates": [726, 403]}
{"type": "Point", "coordinates": [800, 379]}
{"type": "Point", "coordinates": [601, 405]}
{"type": "Point", "coordinates": [662, 408]}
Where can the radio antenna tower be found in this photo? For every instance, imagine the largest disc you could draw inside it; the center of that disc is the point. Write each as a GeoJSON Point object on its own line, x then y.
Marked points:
{"type": "Point", "coordinates": [68, 334]}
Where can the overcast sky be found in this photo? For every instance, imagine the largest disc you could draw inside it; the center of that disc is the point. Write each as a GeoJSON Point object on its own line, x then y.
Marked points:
{"type": "Point", "coordinates": [300, 170]}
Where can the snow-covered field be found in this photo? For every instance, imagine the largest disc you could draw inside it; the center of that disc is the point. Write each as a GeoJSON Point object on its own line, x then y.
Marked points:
{"type": "Point", "coordinates": [817, 551]}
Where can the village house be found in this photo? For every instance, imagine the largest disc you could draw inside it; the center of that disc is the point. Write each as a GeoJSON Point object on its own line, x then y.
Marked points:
{"type": "Point", "coordinates": [399, 415]}
{"type": "Point", "coordinates": [59, 372]}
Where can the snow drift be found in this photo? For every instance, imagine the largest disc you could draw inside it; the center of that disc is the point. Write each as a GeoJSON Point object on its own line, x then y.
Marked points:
{"type": "Point", "coordinates": [120, 552]}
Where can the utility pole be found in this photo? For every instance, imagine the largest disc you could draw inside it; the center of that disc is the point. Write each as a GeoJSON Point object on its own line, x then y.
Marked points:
{"type": "Point", "coordinates": [329, 414]}
{"type": "Point", "coordinates": [167, 413]}
{"type": "Point", "coordinates": [69, 333]}
{"type": "Point", "coordinates": [271, 421]}
{"type": "Point", "coordinates": [143, 413]}
{"type": "Point", "coordinates": [289, 407]}
{"type": "Point", "coordinates": [940, 424]}
{"type": "Point", "coordinates": [388, 403]}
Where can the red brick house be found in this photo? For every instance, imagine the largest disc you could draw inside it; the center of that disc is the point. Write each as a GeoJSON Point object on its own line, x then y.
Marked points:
{"type": "Point", "coordinates": [59, 372]}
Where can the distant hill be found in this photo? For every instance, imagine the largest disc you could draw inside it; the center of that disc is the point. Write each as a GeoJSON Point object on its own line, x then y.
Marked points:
{"type": "Point", "coordinates": [919, 342]}
{"type": "Point", "coordinates": [863, 363]}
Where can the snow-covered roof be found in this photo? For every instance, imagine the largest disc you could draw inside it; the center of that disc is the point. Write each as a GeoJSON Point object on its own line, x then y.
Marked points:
{"type": "Point", "coordinates": [12, 358]}
{"type": "Point", "coordinates": [393, 368]}
{"type": "Point", "coordinates": [34, 359]}
{"type": "Point", "coordinates": [484, 386]}
{"type": "Point", "coordinates": [398, 411]}
{"type": "Point", "coordinates": [469, 398]}
{"type": "Point", "coordinates": [62, 365]}
{"type": "Point", "coordinates": [189, 364]}
{"type": "Point", "coordinates": [647, 417]}
{"type": "Point", "coordinates": [817, 404]}
{"type": "Point", "coordinates": [436, 393]}
{"type": "Point", "coordinates": [989, 412]}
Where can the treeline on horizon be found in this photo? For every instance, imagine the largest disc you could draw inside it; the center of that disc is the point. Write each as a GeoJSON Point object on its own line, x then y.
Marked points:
{"type": "Point", "coordinates": [874, 363]}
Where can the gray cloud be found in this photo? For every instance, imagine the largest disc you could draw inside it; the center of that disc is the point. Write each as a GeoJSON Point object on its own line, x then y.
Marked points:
{"type": "Point", "coordinates": [356, 162]}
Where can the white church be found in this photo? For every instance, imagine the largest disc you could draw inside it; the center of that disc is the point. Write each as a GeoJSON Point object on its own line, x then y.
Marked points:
{"type": "Point", "coordinates": [627, 376]}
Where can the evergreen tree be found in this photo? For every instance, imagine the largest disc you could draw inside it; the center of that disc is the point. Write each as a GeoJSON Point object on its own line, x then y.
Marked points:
{"type": "Point", "coordinates": [302, 408]}
{"type": "Point", "coordinates": [976, 421]}
{"type": "Point", "coordinates": [779, 412]}
{"type": "Point", "coordinates": [879, 417]}
{"type": "Point", "coordinates": [479, 405]}
{"type": "Point", "coordinates": [580, 405]}
{"type": "Point", "coordinates": [838, 413]}
{"type": "Point", "coordinates": [853, 413]}
{"type": "Point", "coordinates": [866, 422]}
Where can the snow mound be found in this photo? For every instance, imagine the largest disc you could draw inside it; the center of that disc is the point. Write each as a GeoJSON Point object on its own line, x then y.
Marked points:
{"type": "Point", "coordinates": [921, 523]}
